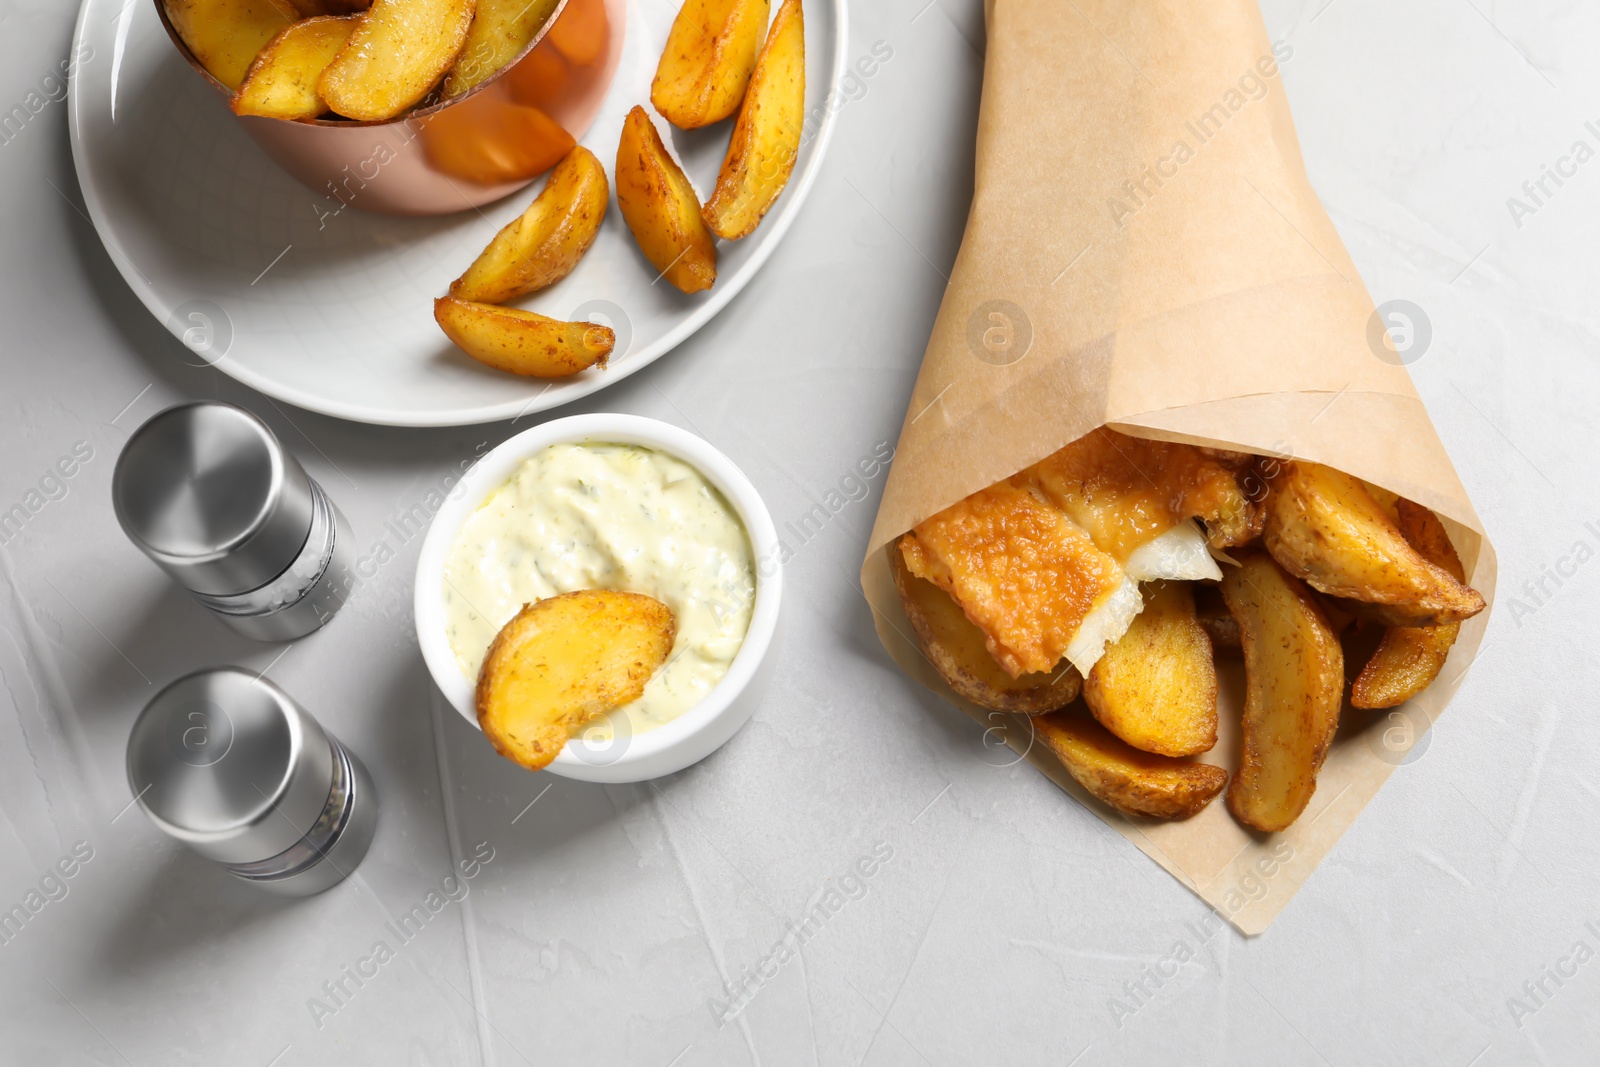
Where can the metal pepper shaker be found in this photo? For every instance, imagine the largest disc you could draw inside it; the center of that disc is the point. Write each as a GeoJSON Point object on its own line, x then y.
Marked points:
{"type": "Point", "coordinates": [207, 492]}
{"type": "Point", "coordinates": [227, 763]}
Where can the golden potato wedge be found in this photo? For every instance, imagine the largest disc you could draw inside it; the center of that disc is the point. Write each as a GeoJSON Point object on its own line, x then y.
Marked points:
{"type": "Point", "coordinates": [500, 30]}
{"type": "Point", "coordinates": [1156, 686]}
{"type": "Point", "coordinates": [522, 342]}
{"type": "Point", "coordinates": [1133, 782]}
{"type": "Point", "coordinates": [766, 137]}
{"type": "Point", "coordinates": [661, 208]}
{"type": "Point", "coordinates": [1294, 685]}
{"type": "Point", "coordinates": [1389, 502]}
{"type": "Point", "coordinates": [541, 246]}
{"type": "Point", "coordinates": [1405, 663]}
{"type": "Point", "coordinates": [400, 51]}
{"type": "Point", "coordinates": [225, 35]}
{"type": "Point", "coordinates": [282, 82]}
{"type": "Point", "coordinates": [315, 8]}
{"type": "Point", "coordinates": [706, 66]}
{"type": "Point", "coordinates": [1326, 529]}
{"type": "Point", "coordinates": [564, 661]}
{"type": "Point", "coordinates": [1409, 658]}
{"type": "Point", "coordinates": [957, 651]}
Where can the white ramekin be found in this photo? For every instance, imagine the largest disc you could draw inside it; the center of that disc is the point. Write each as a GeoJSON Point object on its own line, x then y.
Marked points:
{"type": "Point", "coordinates": [702, 729]}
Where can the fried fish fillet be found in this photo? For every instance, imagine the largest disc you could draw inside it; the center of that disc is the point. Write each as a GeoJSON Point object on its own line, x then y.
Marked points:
{"type": "Point", "coordinates": [1023, 572]}
{"type": "Point", "coordinates": [1124, 491]}
{"type": "Point", "coordinates": [1047, 563]}
{"type": "Point", "coordinates": [959, 651]}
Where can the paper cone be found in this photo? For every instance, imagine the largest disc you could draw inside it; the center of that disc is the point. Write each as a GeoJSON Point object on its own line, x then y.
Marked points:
{"type": "Point", "coordinates": [1144, 251]}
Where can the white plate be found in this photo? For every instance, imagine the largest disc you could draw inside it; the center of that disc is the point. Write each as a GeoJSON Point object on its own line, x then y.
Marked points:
{"type": "Point", "coordinates": [334, 312]}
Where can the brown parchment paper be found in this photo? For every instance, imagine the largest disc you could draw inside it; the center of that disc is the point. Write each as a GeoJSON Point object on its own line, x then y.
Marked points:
{"type": "Point", "coordinates": [1144, 251]}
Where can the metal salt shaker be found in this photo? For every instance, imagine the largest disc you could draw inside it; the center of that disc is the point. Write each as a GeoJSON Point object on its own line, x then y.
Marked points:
{"type": "Point", "coordinates": [228, 764]}
{"type": "Point", "coordinates": [207, 492]}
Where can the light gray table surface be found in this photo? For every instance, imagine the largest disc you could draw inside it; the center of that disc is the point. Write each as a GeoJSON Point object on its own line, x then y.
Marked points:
{"type": "Point", "coordinates": [1451, 925]}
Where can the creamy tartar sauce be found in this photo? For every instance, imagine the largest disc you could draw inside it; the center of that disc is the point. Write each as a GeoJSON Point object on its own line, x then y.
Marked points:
{"type": "Point", "coordinates": [608, 516]}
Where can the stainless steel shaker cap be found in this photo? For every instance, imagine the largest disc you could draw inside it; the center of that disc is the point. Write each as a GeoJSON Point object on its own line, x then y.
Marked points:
{"type": "Point", "coordinates": [230, 765]}
{"type": "Point", "coordinates": [206, 491]}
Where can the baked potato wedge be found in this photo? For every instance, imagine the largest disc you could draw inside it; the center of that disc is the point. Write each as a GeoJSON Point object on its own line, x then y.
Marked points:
{"type": "Point", "coordinates": [282, 81]}
{"type": "Point", "coordinates": [1409, 658]}
{"type": "Point", "coordinates": [661, 208]}
{"type": "Point", "coordinates": [523, 342]}
{"type": "Point", "coordinates": [957, 651]}
{"type": "Point", "coordinates": [1133, 782]}
{"type": "Point", "coordinates": [766, 136]}
{"type": "Point", "coordinates": [500, 30]}
{"type": "Point", "coordinates": [225, 35]}
{"type": "Point", "coordinates": [399, 51]}
{"type": "Point", "coordinates": [1325, 528]}
{"type": "Point", "coordinates": [1156, 686]}
{"type": "Point", "coordinates": [705, 68]}
{"type": "Point", "coordinates": [316, 8]}
{"type": "Point", "coordinates": [564, 661]}
{"type": "Point", "coordinates": [1294, 685]}
{"type": "Point", "coordinates": [545, 242]}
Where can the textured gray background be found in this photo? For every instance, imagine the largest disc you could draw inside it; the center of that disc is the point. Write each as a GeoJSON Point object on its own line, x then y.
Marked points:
{"type": "Point", "coordinates": [1008, 918]}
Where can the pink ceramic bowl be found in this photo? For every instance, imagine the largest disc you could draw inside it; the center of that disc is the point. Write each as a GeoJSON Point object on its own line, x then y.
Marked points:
{"type": "Point", "coordinates": [467, 151]}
